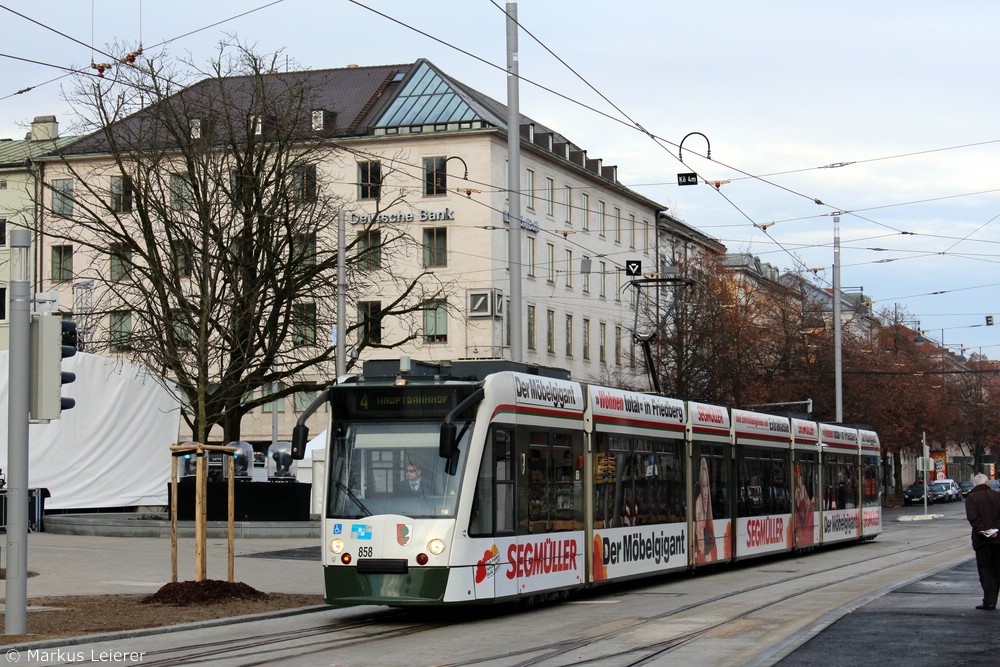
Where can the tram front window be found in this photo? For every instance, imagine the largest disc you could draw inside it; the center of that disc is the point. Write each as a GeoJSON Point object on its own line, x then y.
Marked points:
{"type": "Point", "coordinates": [391, 468]}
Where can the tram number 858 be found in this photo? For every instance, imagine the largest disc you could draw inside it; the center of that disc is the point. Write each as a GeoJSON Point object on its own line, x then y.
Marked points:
{"type": "Point", "coordinates": [364, 552]}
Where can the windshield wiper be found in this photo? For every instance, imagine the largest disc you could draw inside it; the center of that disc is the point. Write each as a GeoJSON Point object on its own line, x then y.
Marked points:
{"type": "Point", "coordinates": [350, 494]}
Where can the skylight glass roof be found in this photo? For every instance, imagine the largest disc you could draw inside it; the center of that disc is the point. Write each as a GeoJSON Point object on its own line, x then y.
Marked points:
{"type": "Point", "coordinates": [426, 100]}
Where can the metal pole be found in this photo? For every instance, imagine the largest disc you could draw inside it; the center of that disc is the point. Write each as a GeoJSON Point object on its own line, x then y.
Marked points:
{"type": "Point", "coordinates": [837, 349]}
{"type": "Point", "coordinates": [514, 188]}
{"type": "Point", "coordinates": [341, 343]}
{"type": "Point", "coordinates": [18, 379]}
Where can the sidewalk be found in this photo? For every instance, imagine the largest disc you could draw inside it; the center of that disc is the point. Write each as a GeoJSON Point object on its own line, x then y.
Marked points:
{"type": "Point", "coordinates": [92, 565]}
{"type": "Point", "coordinates": [929, 622]}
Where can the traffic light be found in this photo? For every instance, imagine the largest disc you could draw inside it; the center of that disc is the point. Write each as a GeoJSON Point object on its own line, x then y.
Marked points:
{"type": "Point", "coordinates": [52, 340]}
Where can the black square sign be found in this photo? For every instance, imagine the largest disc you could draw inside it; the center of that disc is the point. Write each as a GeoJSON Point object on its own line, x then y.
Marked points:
{"type": "Point", "coordinates": [633, 267]}
{"type": "Point", "coordinates": [687, 179]}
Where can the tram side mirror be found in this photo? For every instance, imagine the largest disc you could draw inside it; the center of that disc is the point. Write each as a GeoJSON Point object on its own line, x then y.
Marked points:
{"type": "Point", "coordinates": [300, 438]}
{"type": "Point", "coordinates": [446, 446]}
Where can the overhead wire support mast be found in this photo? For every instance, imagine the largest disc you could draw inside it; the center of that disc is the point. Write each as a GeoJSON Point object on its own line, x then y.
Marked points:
{"type": "Point", "coordinates": [645, 341]}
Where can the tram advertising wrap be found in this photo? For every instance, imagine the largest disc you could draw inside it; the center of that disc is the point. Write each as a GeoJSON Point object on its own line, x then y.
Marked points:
{"type": "Point", "coordinates": [516, 486]}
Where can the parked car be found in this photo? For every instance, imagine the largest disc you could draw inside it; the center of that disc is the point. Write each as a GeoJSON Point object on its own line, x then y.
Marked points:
{"type": "Point", "coordinates": [939, 492]}
{"type": "Point", "coordinates": [914, 493]}
{"type": "Point", "coordinates": [951, 486]}
{"type": "Point", "coordinates": [965, 487]}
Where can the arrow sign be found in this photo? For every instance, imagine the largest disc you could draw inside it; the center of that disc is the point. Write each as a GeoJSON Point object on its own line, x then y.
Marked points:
{"type": "Point", "coordinates": [633, 267]}
{"type": "Point", "coordinates": [687, 179]}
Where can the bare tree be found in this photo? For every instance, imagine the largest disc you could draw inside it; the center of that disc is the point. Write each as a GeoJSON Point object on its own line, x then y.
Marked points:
{"type": "Point", "coordinates": [205, 217]}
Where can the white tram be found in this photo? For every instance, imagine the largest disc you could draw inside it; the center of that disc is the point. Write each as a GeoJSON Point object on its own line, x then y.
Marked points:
{"type": "Point", "coordinates": [523, 484]}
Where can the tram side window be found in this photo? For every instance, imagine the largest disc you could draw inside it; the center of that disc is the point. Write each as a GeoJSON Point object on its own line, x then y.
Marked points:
{"type": "Point", "coordinates": [806, 482]}
{"type": "Point", "coordinates": [871, 482]}
{"type": "Point", "coordinates": [638, 481]}
{"type": "Point", "coordinates": [763, 481]}
{"type": "Point", "coordinates": [840, 474]}
{"type": "Point", "coordinates": [710, 461]}
{"type": "Point", "coordinates": [493, 509]}
{"type": "Point", "coordinates": [552, 501]}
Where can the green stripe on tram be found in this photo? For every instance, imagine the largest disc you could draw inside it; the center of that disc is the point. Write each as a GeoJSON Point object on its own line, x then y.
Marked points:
{"type": "Point", "coordinates": [419, 586]}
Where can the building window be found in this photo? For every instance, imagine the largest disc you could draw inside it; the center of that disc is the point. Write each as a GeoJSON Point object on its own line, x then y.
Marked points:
{"type": "Point", "coordinates": [121, 261]}
{"type": "Point", "coordinates": [121, 194]}
{"type": "Point", "coordinates": [602, 218]}
{"type": "Point", "coordinates": [618, 345]}
{"type": "Point", "coordinates": [550, 262]}
{"type": "Point", "coordinates": [568, 197]}
{"type": "Point", "coordinates": [585, 270]}
{"type": "Point", "coordinates": [645, 236]}
{"type": "Point", "coordinates": [181, 192]}
{"type": "Point", "coordinates": [585, 338]}
{"type": "Point", "coordinates": [3, 231]}
{"type": "Point", "coordinates": [603, 279]}
{"type": "Point", "coordinates": [369, 180]}
{"type": "Point", "coordinates": [120, 330]}
{"type": "Point", "coordinates": [182, 252]}
{"type": "Point", "coordinates": [529, 188]}
{"type": "Point", "coordinates": [435, 247]}
{"type": "Point", "coordinates": [569, 335]}
{"type": "Point", "coordinates": [370, 317]}
{"type": "Point", "coordinates": [435, 176]}
{"type": "Point", "coordinates": [569, 268]}
{"type": "Point", "coordinates": [370, 250]}
{"type": "Point", "coordinates": [62, 263]}
{"type": "Point", "coordinates": [303, 324]}
{"type": "Point", "coordinates": [602, 346]}
{"type": "Point", "coordinates": [303, 398]}
{"type": "Point", "coordinates": [618, 225]}
{"type": "Point", "coordinates": [550, 331]}
{"type": "Point", "coordinates": [62, 196]}
{"type": "Point", "coordinates": [550, 194]}
{"type": "Point", "coordinates": [304, 183]}
{"type": "Point", "coordinates": [278, 404]}
{"type": "Point", "coordinates": [632, 231]}
{"type": "Point", "coordinates": [531, 327]}
{"type": "Point", "coordinates": [585, 206]}
{"type": "Point", "coordinates": [183, 331]}
{"type": "Point", "coordinates": [435, 321]}
{"type": "Point", "coordinates": [618, 283]}
{"type": "Point", "coordinates": [304, 248]}
{"type": "Point", "coordinates": [530, 250]}
{"type": "Point", "coordinates": [3, 304]}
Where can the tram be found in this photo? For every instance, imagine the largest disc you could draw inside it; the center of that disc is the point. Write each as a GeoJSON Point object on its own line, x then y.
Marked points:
{"type": "Point", "coordinates": [485, 482]}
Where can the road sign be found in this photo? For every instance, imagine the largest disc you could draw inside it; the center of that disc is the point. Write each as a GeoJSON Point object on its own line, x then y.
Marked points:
{"type": "Point", "coordinates": [687, 179]}
{"type": "Point", "coordinates": [633, 267]}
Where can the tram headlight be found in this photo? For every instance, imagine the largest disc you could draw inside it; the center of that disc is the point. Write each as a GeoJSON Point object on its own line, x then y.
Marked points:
{"type": "Point", "coordinates": [436, 546]}
{"type": "Point", "coordinates": [336, 545]}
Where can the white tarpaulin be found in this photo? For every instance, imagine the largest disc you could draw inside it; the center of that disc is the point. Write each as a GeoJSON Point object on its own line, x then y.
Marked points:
{"type": "Point", "coordinates": [113, 448]}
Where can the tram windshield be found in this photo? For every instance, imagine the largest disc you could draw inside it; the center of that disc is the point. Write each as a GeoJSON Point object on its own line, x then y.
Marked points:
{"type": "Point", "coordinates": [391, 468]}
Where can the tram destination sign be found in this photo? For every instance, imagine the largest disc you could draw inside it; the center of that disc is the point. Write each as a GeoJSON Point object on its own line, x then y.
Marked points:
{"type": "Point", "coordinates": [395, 403]}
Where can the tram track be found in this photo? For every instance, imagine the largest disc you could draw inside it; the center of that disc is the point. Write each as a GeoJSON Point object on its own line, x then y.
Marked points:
{"type": "Point", "coordinates": [590, 629]}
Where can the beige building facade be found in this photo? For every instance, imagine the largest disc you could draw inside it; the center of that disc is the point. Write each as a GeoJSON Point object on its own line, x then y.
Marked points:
{"type": "Point", "coordinates": [443, 148]}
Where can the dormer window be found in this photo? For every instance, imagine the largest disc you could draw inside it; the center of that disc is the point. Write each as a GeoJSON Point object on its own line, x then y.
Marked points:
{"type": "Point", "coordinates": [318, 120]}
{"type": "Point", "coordinates": [195, 125]}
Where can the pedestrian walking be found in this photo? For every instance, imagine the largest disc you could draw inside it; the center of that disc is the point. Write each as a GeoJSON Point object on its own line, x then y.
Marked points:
{"type": "Point", "coordinates": [982, 509]}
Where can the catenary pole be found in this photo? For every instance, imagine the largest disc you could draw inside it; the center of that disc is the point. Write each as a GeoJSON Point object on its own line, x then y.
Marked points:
{"type": "Point", "coordinates": [515, 311]}
{"type": "Point", "coordinates": [837, 342]}
{"type": "Point", "coordinates": [19, 373]}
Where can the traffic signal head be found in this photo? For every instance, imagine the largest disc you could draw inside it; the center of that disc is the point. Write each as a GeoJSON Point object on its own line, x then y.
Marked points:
{"type": "Point", "coordinates": [52, 340]}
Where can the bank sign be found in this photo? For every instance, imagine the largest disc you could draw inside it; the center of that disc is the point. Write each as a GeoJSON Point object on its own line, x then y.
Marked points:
{"type": "Point", "coordinates": [420, 215]}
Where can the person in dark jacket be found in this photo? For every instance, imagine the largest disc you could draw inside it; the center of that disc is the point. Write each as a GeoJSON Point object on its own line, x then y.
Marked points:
{"type": "Point", "coordinates": [982, 509]}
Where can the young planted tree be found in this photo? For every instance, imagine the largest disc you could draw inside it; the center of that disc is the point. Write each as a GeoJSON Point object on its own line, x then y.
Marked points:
{"type": "Point", "coordinates": [203, 218]}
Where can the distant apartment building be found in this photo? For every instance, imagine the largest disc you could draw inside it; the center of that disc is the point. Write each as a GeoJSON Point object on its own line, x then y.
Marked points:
{"type": "Point", "coordinates": [19, 174]}
{"type": "Point", "coordinates": [413, 129]}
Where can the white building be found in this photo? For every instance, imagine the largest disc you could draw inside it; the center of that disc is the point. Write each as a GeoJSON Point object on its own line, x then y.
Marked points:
{"type": "Point", "coordinates": [412, 128]}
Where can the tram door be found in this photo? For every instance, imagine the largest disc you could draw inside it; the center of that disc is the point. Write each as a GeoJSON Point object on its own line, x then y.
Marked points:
{"type": "Point", "coordinates": [712, 512]}
{"type": "Point", "coordinates": [805, 498]}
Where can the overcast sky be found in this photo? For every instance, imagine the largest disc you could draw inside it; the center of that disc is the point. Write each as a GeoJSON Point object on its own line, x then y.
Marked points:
{"type": "Point", "coordinates": [903, 95]}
